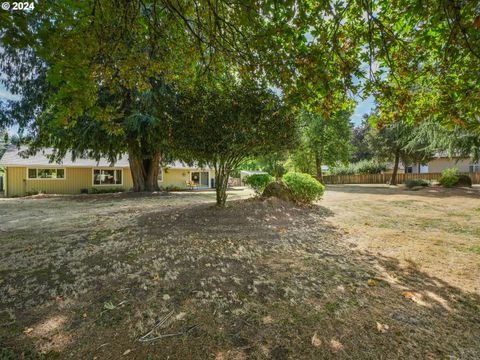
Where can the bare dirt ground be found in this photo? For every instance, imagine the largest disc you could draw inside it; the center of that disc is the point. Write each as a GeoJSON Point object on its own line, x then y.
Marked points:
{"type": "Point", "coordinates": [173, 277]}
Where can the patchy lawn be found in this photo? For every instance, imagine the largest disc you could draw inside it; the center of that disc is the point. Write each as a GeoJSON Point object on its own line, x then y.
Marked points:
{"type": "Point", "coordinates": [435, 230]}
{"type": "Point", "coordinates": [171, 276]}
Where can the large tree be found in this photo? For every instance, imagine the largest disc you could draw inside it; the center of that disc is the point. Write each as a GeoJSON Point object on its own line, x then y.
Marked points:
{"type": "Point", "coordinates": [93, 76]}
{"type": "Point", "coordinates": [360, 147]}
{"type": "Point", "coordinates": [325, 140]}
{"type": "Point", "coordinates": [86, 62]}
{"type": "Point", "coordinates": [392, 143]}
{"type": "Point", "coordinates": [224, 122]}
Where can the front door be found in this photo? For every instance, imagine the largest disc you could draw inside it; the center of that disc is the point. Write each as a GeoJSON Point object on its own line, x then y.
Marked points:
{"type": "Point", "coordinates": [200, 178]}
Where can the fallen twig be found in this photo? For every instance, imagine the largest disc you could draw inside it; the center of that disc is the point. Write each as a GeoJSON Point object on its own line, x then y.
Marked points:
{"type": "Point", "coordinates": [169, 335]}
{"type": "Point", "coordinates": [157, 325]}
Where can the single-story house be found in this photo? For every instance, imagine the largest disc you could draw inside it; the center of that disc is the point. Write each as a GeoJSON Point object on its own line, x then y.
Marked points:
{"type": "Point", "coordinates": [438, 164]}
{"type": "Point", "coordinates": [25, 174]}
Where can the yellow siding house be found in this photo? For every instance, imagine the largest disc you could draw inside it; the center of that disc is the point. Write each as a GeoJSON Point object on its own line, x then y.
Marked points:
{"type": "Point", "coordinates": [25, 174]}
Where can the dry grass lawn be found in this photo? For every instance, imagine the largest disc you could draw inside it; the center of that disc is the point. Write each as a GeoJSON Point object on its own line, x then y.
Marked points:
{"type": "Point", "coordinates": [369, 273]}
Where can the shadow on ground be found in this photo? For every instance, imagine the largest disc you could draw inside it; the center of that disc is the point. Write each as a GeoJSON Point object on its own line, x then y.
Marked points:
{"type": "Point", "coordinates": [435, 191]}
{"type": "Point", "coordinates": [258, 280]}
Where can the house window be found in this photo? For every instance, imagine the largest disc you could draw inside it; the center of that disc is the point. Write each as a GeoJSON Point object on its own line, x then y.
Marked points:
{"type": "Point", "coordinates": [107, 177]}
{"type": "Point", "coordinates": [46, 173]}
{"type": "Point", "coordinates": [474, 168]}
{"type": "Point", "coordinates": [160, 175]}
{"type": "Point", "coordinates": [409, 169]}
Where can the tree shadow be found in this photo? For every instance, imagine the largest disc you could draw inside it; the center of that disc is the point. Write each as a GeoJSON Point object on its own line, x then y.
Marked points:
{"type": "Point", "coordinates": [433, 192]}
{"type": "Point", "coordinates": [260, 279]}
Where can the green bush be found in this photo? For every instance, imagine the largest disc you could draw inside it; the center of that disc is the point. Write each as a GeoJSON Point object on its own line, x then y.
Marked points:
{"type": "Point", "coordinates": [449, 177]}
{"type": "Point", "coordinates": [464, 180]}
{"type": "Point", "coordinates": [416, 182]}
{"type": "Point", "coordinates": [304, 186]}
{"type": "Point", "coordinates": [258, 182]}
{"type": "Point", "coordinates": [361, 167]}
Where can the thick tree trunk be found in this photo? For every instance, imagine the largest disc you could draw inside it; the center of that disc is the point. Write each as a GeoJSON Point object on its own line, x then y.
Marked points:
{"type": "Point", "coordinates": [144, 171]}
{"type": "Point", "coordinates": [393, 178]}
{"type": "Point", "coordinates": [221, 184]}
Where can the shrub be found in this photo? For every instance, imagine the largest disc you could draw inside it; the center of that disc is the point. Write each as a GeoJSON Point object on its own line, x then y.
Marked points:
{"type": "Point", "coordinates": [464, 180]}
{"type": "Point", "coordinates": [258, 182]}
{"type": "Point", "coordinates": [369, 167]}
{"type": "Point", "coordinates": [449, 177]}
{"type": "Point", "coordinates": [416, 182]}
{"type": "Point", "coordinates": [304, 186]}
{"type": "Point", "coordinates": [361, 167]}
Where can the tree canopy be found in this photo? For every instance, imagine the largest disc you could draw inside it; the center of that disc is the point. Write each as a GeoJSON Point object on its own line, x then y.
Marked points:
{"type": "Point", "coordinates": [324, 141]}
{"type": "Point", "coordinates": [112, 70]}
{"type": "Point", "coordinates": [226, 122]}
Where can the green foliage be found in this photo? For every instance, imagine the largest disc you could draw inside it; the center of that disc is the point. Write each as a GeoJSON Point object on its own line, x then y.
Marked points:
{"type": "Point", "coordinates": [360, 147]}
{"type": "Point", "coordinates": [304, 186]}
{"type": "Point", "coordinates": [416, 182]}
{"type": "Point", "coordinates": [361, 167]}
{"type": "Point", "coordinates": [227, 121]}
{"type": "Point", "coordinates": [449, 177]}
{"type": "Point", "coordinates": [324, 141]}
{"type": "Point", "coordinates": [464, 180]}
{"type": "Point", "coordinates": [455, 141]}
{"type": "Point", "coordinates": [452, 177]}
{"type": "Point", "coordinates": [392, 142]}
{"type": "Point", "coordinates": [258, 182]}
{"type": "Point", "coordinates": [246, 164]}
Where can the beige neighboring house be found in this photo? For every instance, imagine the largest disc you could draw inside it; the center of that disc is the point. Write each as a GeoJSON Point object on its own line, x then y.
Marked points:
{"type": "Point", "coordinates": [437, 165]}
{"type": "Point", "coordinates": [27, 174]}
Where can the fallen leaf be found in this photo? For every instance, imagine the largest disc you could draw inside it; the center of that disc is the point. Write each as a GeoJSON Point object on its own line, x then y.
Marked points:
{"type": "Point", "coordinates": [336, 345]}
{"type": "Point", "coordinates": [316, 341]}
{"type": "Point", "coordinates": [408, 295]}
{"type": "Point", "coordinates": [371, 282]}
{"type": "Point", "coordinates": [27, 330]}
{"type": "Point", "coordinates": [383, 328]}
{"type": "Point", "coordinates": [84, 315]}
{"type": "Point", "coordinates": [267, 320]}
{"type": "Point", "coordinates": [126, 352]}
{"type": "Point", "coordinates": [180, 316]}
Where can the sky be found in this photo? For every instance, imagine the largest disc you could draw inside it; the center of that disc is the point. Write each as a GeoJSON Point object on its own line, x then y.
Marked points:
{"type": "Point", "coordinates": [363, 107]}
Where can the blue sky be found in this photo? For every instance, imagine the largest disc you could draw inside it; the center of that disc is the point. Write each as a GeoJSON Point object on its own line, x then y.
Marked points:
{"type": "Point", "coordinates": [363, 107]}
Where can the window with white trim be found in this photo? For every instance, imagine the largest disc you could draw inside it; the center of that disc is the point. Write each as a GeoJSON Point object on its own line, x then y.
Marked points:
{"type": "Point", "coordinates": [34, 173]}
{"type": "Point", "coordinates": [107, 177]}
{"type": "Point", "coordinates": [474, 168]}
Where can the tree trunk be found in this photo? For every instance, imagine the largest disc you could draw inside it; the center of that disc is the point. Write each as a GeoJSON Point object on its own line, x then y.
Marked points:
{"type": "Point", "coordinates": [393, 178]}
{"type": "Point", "coordinates": [221, 183]}
{"type": "Point", "coordinates": [144, 171]}
{"type": "Point", "coordinates": [319, 154]}
{"type": "Point", "coordinates": [318, 167]}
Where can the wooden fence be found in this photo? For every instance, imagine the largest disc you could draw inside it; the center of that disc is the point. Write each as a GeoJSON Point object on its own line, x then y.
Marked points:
{"type": "Point", "coordinates": [384, 178]}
